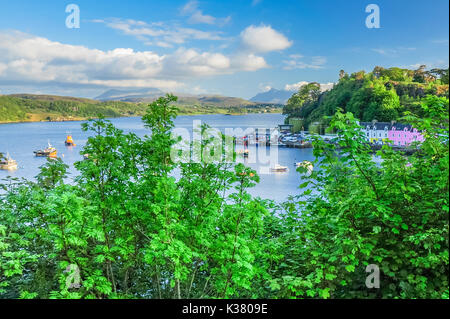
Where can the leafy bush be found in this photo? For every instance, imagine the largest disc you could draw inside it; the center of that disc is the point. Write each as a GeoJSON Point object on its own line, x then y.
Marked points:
{"type": "Point", "coordinates": [127, 228]}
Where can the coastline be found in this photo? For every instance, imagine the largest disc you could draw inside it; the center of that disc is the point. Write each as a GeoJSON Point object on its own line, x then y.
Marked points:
{"type": "Point", "coordinates": [79, 119]}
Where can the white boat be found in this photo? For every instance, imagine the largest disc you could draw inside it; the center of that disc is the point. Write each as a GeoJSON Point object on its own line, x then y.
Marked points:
{"type": "Point", "coordinates": [8, 163]}
{"type": "Point", "coordinates": [245, 152]}
{"type": "Point", "coordinates": [279, 168]}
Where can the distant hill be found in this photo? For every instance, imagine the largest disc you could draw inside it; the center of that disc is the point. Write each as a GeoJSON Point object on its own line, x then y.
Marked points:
{"type": "Point", "coordinates": [273, 96]}
{"type": "Point", "coordinates": [51, 98]}
{"type": "Point", "coordinates": [150, 95]}
{"type": "Point", "coordinates": [35, 108]}
{"type": "Point", "coordinates": [130, 95]}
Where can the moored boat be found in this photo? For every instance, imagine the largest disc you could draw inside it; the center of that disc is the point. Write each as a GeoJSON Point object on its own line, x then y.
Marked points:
{"type": "Point", "coordinates": [279, 168]}
{"type": "Point", "coordinates": [49, 151]}
{"type": "Point", "coordinates": [244, 153]}
{"type": "Point", "coordinates": [8, 163]}
{"type": "Point", "coordinates": [69, 141]}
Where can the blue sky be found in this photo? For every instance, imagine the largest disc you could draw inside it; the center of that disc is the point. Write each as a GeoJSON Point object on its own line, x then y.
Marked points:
{"type": "Point", "coordinates": [234, 48]}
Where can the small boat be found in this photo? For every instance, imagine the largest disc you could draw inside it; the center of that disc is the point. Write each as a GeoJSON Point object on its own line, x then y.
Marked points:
{"type": "Point", "coordinates": [49, 151]}
{"type": "Point", "coordinates": [279, 168]}
{"type": "Point", "coordinates": [69, 141]}
{"type": "Point", "coordinates": [306, 164]}
{"type": "Point", "coordinates": [245, 152]}
{"type": "Point", "coordinates": [8, 163]}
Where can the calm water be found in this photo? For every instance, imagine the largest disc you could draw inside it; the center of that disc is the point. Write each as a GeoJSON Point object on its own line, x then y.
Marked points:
{"type": "Point", "coordinates": [22, 139]}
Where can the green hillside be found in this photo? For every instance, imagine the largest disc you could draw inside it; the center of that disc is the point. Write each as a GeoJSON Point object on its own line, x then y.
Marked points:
{"type": "Point", "coordinates": [383, 95]}
{"type": "Point", "coordinates": [28, 107]}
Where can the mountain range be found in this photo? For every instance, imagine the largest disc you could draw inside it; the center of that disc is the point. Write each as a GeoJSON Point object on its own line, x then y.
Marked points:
{"type": "Point", "coordinates": [273, 96]}
{"type": "Point", "coordinates": [149, 95]}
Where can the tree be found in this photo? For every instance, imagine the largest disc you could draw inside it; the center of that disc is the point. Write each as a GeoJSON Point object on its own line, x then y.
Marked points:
{"type": "Point", "coordinates": [342, 74]}
{"type": "Point", "coordinates": [419, 74]}
{"type": "Point", "coordinates": [136, 223]}
{"type": "Point", "coordinates": [378, 71]}
{"type": "Point", "coordinates": [393, 216]}
{"type": "Point", "coordinates": [441, 73]}
{"type": "Point", "coordinates": [308, 93]}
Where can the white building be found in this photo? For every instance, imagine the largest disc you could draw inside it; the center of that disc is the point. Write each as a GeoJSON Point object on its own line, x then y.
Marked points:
{"type": "Point", "coordinates": [376, 132]}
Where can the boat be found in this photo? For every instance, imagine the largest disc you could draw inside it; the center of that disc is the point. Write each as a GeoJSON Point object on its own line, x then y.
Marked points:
{"type": "Point", "coordinates": [279, 168]}
{"type": "Point", "coordinates": [49, 151]}
{"type": "Point", "coordinates": [306, 164]}
{"type": "Point", "coordinates": [8, 163]}
{"type": "Point", "coordinates": [245, 152]}
{"type": "Point", "coordinates": [69, 141]}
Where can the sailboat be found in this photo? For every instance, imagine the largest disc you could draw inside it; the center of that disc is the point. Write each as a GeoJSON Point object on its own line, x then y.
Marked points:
{"type": "Point", "coordinates": [8, 163]}
{"type": "Point", "coordinates": [69, 141]}
{"type": "Point", "coordinates": [49, 151]}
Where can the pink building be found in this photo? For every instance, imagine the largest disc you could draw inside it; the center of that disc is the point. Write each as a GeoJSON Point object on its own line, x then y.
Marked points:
{"type": "Point", "coordinates": [403, 135]}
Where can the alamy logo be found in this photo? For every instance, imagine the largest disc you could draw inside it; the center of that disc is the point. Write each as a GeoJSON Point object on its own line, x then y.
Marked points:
{"type": "Point", "coordinates": [210, 145]}
{"type": "Point", "coordinates": [73, 280]}
{"type": "Point", "coordinates": [373, 19]}
{"type": "Point", "coordinates": [373, 280]}
{"type": "Point", "coordinates": [73, 19]}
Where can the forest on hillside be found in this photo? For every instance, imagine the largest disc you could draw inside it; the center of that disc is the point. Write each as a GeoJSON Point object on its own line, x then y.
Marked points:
{"type": "Point", "coordinates": [20, 108]}
{"type": "Point", "coordinates": [33, 108]}
{"type": "Point", "coordinates": [384, 95]}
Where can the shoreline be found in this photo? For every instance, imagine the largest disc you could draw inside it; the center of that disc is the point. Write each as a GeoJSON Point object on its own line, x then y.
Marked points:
{"type": "Point", "coordinates": [88, 118]}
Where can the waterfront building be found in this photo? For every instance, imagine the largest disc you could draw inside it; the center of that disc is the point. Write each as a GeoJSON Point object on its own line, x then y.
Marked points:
{"type": "Point", "coordinates": [392, 133]}
{"type": "Point", "coordinates": [404, 134]}
{"type": "Point", "coordinates": [376, 132]}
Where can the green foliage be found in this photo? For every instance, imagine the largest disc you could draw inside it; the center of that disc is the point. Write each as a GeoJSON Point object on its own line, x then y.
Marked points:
{"type": "Point", "coordinates": [16, 108]}
{"type": "Point", "coordinates": [130, 227]}
{"type": "Point", "coordinates": [383, 95]}
{"type": "Point", "coordinates": [25, 107]}
{"type": "Point", "coordinates": [135, 224]}
{"type": "Point", "coordinates": [306, 95]}
{"type": "Point", "coordinates": [394, 215]}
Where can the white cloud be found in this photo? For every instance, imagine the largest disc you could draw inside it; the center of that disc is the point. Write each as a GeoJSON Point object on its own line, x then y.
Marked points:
{"type": "Point", "coordinates": [260, 39]}
{"type": "Point", "coordinates": [393, 52]}
{"type": "Point", "coordinates": [264, 87]}
{"type": "Point", "coordinates": [385, 51]}
{"type": "Point", "coordinates": [159, 33]}
{"type": "Point", "coordinates": [296, 86]}
{"type": "Point", "coordinates": [296, 62]}
{"type": "Point", "coordinates": [190, 62]}
{"type": "Point", "coordinates": [196, 16]}
{"type": "Point", "coordinates": [3, 67]}
{"type": "Point", "coordinates": [249, 62]}
{"type": "Point", "coordinates": [429, 64]}
{"type": "Point", "coordinates": [29, 59]}
{"type": "Point", "coordinates": [254, 40]}
{"type": "Point", "coordinates": [440, 41]}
